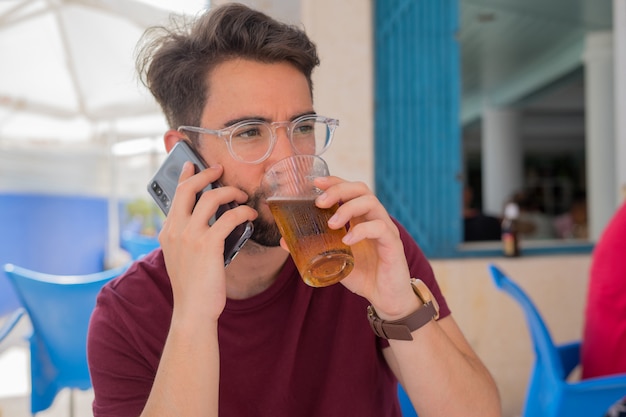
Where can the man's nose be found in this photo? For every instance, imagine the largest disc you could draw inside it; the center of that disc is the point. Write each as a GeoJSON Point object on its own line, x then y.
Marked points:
{"type": "Point", "coordinates": [282, 148]}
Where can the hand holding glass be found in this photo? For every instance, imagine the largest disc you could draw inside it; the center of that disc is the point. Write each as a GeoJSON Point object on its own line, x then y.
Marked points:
{"type": "Point", "coordinates": [318, 252]}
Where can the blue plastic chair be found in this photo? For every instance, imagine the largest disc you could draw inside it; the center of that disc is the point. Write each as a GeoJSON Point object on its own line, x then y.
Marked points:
{"type": "Point", "coordinates": [405, 403]}
{"type": "Point", "coordinates": [548, 392]}
{"type": "Point", "coordinates": [59, 308]}
{"type": "Point", "coordinates": [138, 245]}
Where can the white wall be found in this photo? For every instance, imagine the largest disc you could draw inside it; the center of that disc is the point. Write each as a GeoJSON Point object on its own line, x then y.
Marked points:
{"type": "Point", "coordinates": [54, 170]}
{"type": "Point", "coordinates": [343, 83]}
{"type": "Point", "coordinates": [66, 170]}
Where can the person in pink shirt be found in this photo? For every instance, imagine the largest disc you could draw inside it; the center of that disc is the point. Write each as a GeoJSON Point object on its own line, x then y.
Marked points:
{"type": "Point", "coordinates": [604, 338]}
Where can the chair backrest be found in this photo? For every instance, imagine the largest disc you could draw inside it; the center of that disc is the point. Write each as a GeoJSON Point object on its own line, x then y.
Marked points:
{"type": "Point", "coordinates": [59, 307]}
{"type": "Point", "coordinates": [138, 245]}
{"type": "Point", "coordinates": [543, 344]}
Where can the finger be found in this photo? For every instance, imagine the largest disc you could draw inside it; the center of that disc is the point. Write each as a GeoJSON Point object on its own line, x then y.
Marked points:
{"type": "Point", "coordinates": [337, 190]}
{"type": "Point", "coordinates": [364, 208]}
{"type": "Point", "coordinates": [189, 185]}
{"type": "Point", "coordinates": [283, 244]}
{"type": "Point", "coordinates": [210, 202]}
{"type": "Point", "coordinates": [228, 221]}
{"type": "Point", "coordinates": [356, 198]}
{"type": "Point", "coordinates": [378, 230]}
{"type": "Point", "coordinates": [325, 182]}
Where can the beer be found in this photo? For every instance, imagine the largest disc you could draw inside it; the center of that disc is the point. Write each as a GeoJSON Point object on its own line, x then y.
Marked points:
{"type": "Point", "coordinates": [318, 252]}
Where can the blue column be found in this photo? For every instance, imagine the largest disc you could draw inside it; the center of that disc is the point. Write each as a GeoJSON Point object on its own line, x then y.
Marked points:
{"type": "Point", "coordinates": [417, 145]}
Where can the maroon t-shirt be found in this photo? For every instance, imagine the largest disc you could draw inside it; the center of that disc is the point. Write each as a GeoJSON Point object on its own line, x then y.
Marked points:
{"type": "Point", "coordinates": [292, 350]}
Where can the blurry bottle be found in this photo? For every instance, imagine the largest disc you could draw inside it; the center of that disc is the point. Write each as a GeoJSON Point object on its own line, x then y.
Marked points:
{"type": "Point", "coordinates": [510, 241]}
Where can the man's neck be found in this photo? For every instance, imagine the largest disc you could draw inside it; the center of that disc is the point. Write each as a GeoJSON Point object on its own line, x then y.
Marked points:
{"type": "Point", "coordinates": [253, 270]}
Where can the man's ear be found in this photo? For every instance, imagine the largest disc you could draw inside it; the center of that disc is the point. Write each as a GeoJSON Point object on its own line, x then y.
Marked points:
{"type": "Point", "coordinates": [171, 137]}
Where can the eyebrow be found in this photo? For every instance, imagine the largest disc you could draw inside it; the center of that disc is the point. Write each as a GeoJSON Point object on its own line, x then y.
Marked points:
{"type": "Point", "coordinates": [264, 119]}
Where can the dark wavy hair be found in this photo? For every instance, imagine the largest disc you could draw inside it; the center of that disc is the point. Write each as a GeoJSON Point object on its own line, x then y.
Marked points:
{"type": "Point", "coordinates": [174, 62]}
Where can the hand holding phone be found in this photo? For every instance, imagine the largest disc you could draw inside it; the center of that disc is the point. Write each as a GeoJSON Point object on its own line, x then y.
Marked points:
{"type": "Point", "coordinates": [162, 188]}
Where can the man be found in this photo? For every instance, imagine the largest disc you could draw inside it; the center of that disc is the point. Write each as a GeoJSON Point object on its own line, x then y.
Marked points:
{"type": "Point", "coordinates": [180, 335]}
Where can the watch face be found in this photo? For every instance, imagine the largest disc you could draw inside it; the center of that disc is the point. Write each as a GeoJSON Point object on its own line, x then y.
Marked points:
{"type": "Point", "coordinates": [423, 292]}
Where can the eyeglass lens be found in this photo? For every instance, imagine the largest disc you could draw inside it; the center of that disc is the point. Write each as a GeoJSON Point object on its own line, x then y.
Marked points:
{"type": "Point", "coordinates": [252, 141]}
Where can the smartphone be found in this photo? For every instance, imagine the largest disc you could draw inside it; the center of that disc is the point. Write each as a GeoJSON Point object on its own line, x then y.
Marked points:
{"type": "Point", "coordinates": [163, 184]}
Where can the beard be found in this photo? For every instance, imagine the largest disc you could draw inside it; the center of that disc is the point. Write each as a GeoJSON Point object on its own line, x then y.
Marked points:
{"type": "Point", "coordinates": [265, 232]}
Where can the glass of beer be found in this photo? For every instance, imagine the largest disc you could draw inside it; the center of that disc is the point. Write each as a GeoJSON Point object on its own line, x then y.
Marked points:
{"type": "Point", "coordinates": [318, 252]}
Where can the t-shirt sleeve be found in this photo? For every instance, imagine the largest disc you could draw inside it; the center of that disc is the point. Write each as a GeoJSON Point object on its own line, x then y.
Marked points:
{"type": "Point", "coordinates": [116, 373]}
{"type": "Point", "coordinates": [124, 344]}
{"type": "Point", "coordinates": [420, 267]}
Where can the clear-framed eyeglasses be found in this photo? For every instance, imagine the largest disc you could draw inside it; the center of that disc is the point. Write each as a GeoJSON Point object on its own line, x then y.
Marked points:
{"type": "Point", "coordinates": [252, 141]}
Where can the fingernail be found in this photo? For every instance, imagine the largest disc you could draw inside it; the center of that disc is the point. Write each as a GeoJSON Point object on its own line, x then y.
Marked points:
{"type": "Point", "coordinates": [347, 239]}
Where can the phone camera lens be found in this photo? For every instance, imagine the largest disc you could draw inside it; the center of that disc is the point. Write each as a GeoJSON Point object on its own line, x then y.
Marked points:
{"type": "Point", "coordinates": [157, 188]}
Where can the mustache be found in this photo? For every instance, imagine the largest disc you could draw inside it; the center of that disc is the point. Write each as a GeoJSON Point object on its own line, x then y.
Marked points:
{"type": "Point", "coordinates": [255, 199]}
{"type": "Point", "coordinates": [265, 231]}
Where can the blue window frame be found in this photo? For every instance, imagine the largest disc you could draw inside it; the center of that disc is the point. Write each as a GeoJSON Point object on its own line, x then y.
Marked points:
{"type": "Point", "coordinates": [417, 126]}
{"type": "Point", "coordinates": [417, 147]}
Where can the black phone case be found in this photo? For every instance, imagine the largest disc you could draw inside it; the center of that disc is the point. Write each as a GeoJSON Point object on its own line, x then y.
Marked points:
{"type": "Point", "coordinates": [162, 188]}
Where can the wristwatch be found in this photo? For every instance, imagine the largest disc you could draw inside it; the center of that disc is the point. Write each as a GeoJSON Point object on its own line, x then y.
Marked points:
{"type": "Point", "coordinates": [401, 329]}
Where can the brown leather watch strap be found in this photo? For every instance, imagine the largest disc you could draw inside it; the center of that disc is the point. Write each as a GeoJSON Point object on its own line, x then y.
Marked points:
{"type": "Point", "coordinates": [401, 329]}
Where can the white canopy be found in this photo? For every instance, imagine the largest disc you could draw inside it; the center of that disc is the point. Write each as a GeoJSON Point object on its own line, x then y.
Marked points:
{"type": "Point", "coordinates": [67, 71]}
{"type": "Point", "coordinates": [69, 93]}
